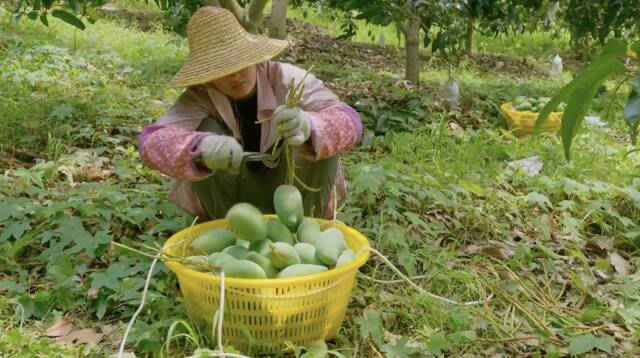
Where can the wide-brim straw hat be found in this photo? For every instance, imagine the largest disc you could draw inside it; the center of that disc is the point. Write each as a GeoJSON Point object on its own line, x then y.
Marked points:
{"type": "Point", "coordinates": [220, 46]}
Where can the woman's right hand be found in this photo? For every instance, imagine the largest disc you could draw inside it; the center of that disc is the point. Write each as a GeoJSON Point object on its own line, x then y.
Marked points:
{"type": "Point", "coordinates": [221, 152]}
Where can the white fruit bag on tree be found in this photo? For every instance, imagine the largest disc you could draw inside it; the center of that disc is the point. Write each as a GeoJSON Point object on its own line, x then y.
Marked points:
{"type": "Point", "coordinates": [451, 92]}
{"type": "Point", "coordinates": [556, 66]}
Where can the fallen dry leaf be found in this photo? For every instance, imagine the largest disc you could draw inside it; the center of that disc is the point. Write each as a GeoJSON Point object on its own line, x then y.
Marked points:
{"type": "Point", "coordinates": [81, 336]}
{"type": "Point", "coordinates": [623, 268]}
{"type": "Point", "coordinates": [60, 328]}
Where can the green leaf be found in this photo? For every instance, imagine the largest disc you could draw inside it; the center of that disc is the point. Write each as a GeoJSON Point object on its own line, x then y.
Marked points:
{"type": "Point", "coordinates": [535, 198]}
{"type": "Point", "coordinates": [577, 108]}
{"type": "Point", "coordinates": [111, 277]}
{"type": "Point", "coordinates": [14, 230]}
{"type": "Point", "coordinates": [472, 187]}
{"type": "Point", "coordinates": [371, 326]}
{"type": "Point", "coordinates": [633, 194]}
{"type": "Point", "coordinates": [635, 47]}
{"type": "Point", "coordinates": [632, 109]}
{"type": "Point", "coordinates": [399, 349]}
{"type": "Point", "coordinates": [615, 47]}
{"type": "Point", "coordinates": [35, 305]}
{"type": "Point", "coordinates": [44, 20]}
{"type": "Point", "coordinates": [437, 343]}
{"type": "Point", "coordinates": [588, 342]}
{"type": "Point", "coordinates": [317, 349]}
{"type": "Point", "coordinates": [68, 18]}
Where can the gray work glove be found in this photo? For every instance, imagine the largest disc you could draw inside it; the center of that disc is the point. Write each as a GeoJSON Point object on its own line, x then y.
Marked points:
{"type": "Point", "coordinates": [293, 124]}
{"type": "Point", "coordinates": [221, 152]}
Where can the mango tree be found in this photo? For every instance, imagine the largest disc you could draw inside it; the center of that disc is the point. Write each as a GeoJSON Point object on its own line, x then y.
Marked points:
{"type": "Point", "coordinates": [250, 13]}
{"type": "Point", "coordinates": [407, 15]}
{"type": "Point", "coordinates": [598, 20]}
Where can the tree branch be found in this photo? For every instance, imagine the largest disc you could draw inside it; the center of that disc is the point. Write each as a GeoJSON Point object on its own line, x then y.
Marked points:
{"type": "Point", "coordinates": [255, 10]}
{"type": "Point", "coordinates": [235, 8]}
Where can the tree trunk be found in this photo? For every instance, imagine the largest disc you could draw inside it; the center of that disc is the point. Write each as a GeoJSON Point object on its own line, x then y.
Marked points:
{"type": "Point", "coordinates": [252, 18]}
{"type": "Point", "coordinates": [278, 19]}
{"type": "Point", "coordinates": [255, 15]}
{"type": "Point", "coordinates": [468, 40]}
{"type": "Point", "coordinates": [411, 30]}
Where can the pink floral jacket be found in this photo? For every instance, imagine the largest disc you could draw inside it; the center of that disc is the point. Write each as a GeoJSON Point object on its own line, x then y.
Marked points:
{"type": "Point", "coordinates": [170, 144]}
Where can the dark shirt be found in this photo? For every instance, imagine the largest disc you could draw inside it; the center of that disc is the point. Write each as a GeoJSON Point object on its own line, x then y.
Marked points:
{"type": "Point", "coordinates": [246, 111]}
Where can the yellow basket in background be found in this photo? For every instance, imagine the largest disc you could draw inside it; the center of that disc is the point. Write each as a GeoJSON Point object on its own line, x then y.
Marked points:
{"type": "Point", "coordinates": [523, 123]}
{"type": "Point", "coordinates": [263, 314]}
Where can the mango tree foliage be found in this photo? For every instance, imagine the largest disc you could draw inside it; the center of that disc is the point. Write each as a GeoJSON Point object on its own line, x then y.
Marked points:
{"type": "Point", "coordinates": [600, 20]}
{"type": "Point", "coordinates": [250, 13]}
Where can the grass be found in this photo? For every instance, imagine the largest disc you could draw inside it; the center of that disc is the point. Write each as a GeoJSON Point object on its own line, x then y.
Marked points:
{"type": "Point", "coordinates": [441, 203]}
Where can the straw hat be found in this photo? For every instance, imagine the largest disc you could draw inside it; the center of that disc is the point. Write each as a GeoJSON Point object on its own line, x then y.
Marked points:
{"type": "Point", "coordinates": [219, 46]}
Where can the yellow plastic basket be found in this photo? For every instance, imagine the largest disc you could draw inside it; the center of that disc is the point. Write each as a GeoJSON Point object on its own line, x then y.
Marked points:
{"type": "Point", "coordinates": [522, 123]}
{"type": "Point", "coordinates": [261, 315]}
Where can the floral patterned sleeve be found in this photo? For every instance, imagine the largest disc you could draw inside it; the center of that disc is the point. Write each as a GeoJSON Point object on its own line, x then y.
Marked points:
{"type": "Point", "coordinates": [333, 130]}
{"type": "Point", "coordinates": [171, 150]}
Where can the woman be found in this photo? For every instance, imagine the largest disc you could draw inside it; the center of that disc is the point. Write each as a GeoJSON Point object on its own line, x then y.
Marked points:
{"type": "Point", "coordinates": [234, 104]}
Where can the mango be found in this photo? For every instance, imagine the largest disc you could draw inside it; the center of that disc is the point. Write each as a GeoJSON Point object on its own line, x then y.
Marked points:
{"type": "Point", "coordinates": [308, 230]}
{"type": "Point", "coordinates": [261, 247]}
{"type": "Point", "coordinates": [214, 240]}
{"type": "Point", "coordinates": [287, 202]}
{"type": "Point", "coordinates": [345, 257]}
{"type": "Point", "coordinates": [239, 252]}
{"type": "Point", "coordinates": [219, 258]}
{"type": "Point", "coordinates": [243, 269]}
{"type": "Point", "coordinates": [243, 243]}
{"type": "Point", "coordinates": [307, 253]}
{"type": "Point", "coordinates": [329, 245]}
{"type": "Point", "coordinates": [246, 221]}
{"type": "Point", "coordinates": [278, 232]}
{"type": "Point", "coordinates": [282, 255]}
{"type": "Point", "coordinates": [264, 262]}
{"type": "Point", "coordinates": [301, 270]}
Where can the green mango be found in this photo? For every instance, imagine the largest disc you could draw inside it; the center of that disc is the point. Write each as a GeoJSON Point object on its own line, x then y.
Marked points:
{"type": "Point", "coordinates": [214, 240]}
{"type": "Point", "coordinates": [239, 252]}
{"type": "Point", "coordinates": [278, 232]}
{"type": "Point", "coordinates": [524, 106]}
{"type": "Point", "coordinates": [307, 253]}
{"type": "Point", "coordinates": [243, 269]}
{"type": "Point", "coordinates": [519, 99]}
{"type": "Point", "coordinates": [329, 245]}
{"type": "Point", "coordinates": [345, 257]}
{"type": "Point", "coordinates": [244, 243]}
{"type": "Point", "coordinates": [287, 202]}
{"type": "Point", "coordinates": [309, 230]}
{"type": "Point", "coordinates": [261, 247]}
{"type": "Point", "coordinates": [246, 221]}
{"type": "Point", "coordinates": [282, 255]}
{"type": "Point", "coordinates": [264, 262]}
{"type": "Point", "coordinates": [301, 270]}
{"type": "Point", "coordinates": [219, 258]}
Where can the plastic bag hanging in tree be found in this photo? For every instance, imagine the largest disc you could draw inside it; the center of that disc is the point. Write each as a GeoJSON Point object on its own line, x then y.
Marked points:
{"type": "Point", "coordinates": [451, 92]}
{"type": "Point", "coordinates": [556, 66]}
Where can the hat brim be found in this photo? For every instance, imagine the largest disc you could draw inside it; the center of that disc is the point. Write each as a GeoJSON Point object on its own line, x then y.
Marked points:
{"type": "Point", "coordinates": [211, 65]}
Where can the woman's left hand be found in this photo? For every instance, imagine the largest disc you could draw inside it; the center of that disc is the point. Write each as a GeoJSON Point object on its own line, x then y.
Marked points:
{"type": "Point", "coordinates": [293, 124]}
